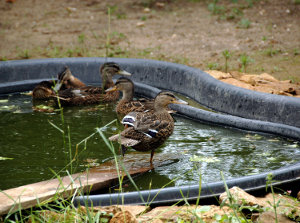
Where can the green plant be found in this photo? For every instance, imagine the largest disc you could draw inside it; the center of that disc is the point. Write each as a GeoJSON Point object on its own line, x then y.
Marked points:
{"type": "Point", "coordinates": [70, 52]}
{"type": "Point", "coordinates": [3, 58]}
{"type": "Point", "coordinates": [244, 61]}
{"type": "Point", "coordinates": [250, 3]}
{"type": "Point", "coordinates": [234, 13]}
{"type": "Point", "coordinates": [213, 66]}
{"type": "Point", "coordinates": [215, 9]}
{"type": "Point", "coordinates": [296, 2]}
{"type": "Point", "coordinates": [108, 32]}
{"type": "Point", "coordinates": [24, 54]}
{"type": "Point", "coordinates": [226, 55]}
{"type": "Point", "coordinates": [269, 183]}
{"type": "Point", "coordinates": [81, 38]}
{"type": "Point", "coordinates": [244, 23]}
{"type": "Point", "coordinates": [145, 52]}
{"type": "Point", "coordinates": [271, 52]}
{"type": "Point", "coordinates": [114, 10]}
{"type": "Point", "coordinates": [144, 18]}
{"type": "Point", "coordinates": [232, 203]}
{"type": "Point", "coordinates": [54, 51]}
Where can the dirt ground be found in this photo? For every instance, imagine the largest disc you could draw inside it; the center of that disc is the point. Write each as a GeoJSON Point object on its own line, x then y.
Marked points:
{"type": "Point", "coordinates": [191, 32]}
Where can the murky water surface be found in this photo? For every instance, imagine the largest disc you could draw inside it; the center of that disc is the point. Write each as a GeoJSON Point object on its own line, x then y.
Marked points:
{"type": "Point", "coordinates": [32, 147]}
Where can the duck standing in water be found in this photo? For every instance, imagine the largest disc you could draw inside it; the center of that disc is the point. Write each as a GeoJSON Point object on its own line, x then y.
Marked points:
{"type": "Point", "coordinates": [46, 89]}
{"type": "Point", "coordinates": [127, 103]}
{"type": "Point", "coordinates": [92, 95]}
{"type": "Point", "coordinates": [147, 131]}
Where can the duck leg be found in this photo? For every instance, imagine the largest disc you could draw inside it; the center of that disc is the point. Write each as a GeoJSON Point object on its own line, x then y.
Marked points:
{"type": "Point", "coordinates": [123, 150]}
{"type": "Point", "coordinates": [152, 154]}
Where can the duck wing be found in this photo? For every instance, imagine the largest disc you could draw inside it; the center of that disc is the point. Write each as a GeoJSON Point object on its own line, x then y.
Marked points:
{"type": "Point", "coordinates": [146, 123]}
{"type": "Point", "coordinates": [136, 106]}
{"type": "Point", "coordinates": [81, 96]}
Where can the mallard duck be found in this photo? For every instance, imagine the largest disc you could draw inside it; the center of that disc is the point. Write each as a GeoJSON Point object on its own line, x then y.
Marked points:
{"type": "Point", "coordinates": [148, 130]}
{"type": "Point", "coordinates": [127, 103]}
{"type": "Point", "coordinates": [91, 94]}
{"type": "Point", "coordinates": [65, 79]}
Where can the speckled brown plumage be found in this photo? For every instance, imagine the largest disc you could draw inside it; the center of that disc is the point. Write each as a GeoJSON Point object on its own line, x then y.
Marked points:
{"type": "Point", "coordinates": [44, 90]}
{"type": "Point", "coordinates": [148, 130]}
{"type": "Point", "coordinates": [68, 80]}
{"type": "Point", "coordinates": [86, 96]}
{"type": "Point", "coordinates": [127, 103]}
{"type": "Point", "coordinates": [93, 95]}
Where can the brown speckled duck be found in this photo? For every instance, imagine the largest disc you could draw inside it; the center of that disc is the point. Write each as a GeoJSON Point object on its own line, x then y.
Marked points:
{"type": "Point", "coordinates": [127, 103]}
{"type": "Point", "coordinates": [92, 95]}
{"type": "Point", "coordinates": [46, 89]}
{"type": "Point", "coordinates": [67, 80]}
{"type": "Point", "coordinates": [148, 130]}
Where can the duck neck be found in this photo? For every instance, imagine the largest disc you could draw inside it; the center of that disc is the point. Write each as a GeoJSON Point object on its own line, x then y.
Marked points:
{"type": "Point", "coordinates": [107, 81]}
{"type": "Point", "coordinates": [127, 95]}
{"type": "Point", "coordinates": [160, 108]}
{"type": "Point", "coordinates": [77, 83]}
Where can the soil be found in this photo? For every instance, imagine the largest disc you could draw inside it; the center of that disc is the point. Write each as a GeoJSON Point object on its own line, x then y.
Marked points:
{"type": "Point", "coordinates": [191, 32]}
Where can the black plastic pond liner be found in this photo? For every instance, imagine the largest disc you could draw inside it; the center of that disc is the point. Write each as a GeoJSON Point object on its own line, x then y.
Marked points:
{"type": "Point", "coordinates": [185, 80]}
{"type": "Point", "coordinates": [209, 191]}
{"type": "Point", "coordinates": [237, 107]}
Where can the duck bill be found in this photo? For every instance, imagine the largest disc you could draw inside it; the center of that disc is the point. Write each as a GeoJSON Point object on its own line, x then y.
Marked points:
{"type": "Point", "coordinates": [124, 73]}
{"type": "Point", "coordinates": [57, 86]}
{"type": "Point", "coordinates": [114, 88]}
{"type": "Point", "coordinates": [179, 101]}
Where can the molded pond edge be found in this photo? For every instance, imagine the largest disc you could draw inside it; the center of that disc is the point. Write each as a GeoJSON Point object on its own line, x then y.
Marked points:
{"type": "Point", "coordinates": [236, 107]}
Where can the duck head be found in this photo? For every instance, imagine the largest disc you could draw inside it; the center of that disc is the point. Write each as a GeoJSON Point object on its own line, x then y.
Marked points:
{"type": "Point", "coordinates": [164, 98]}
{"type": "Point", "coordinates": [125, 85]}
{"type": "Point", "coordinates": [67, 80]}
{"type": "Point", "coordinates": [108, 70]}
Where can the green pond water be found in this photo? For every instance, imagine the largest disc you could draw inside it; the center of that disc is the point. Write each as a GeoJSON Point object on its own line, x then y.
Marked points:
{"type": "Point", "coordinates": [31, 149]}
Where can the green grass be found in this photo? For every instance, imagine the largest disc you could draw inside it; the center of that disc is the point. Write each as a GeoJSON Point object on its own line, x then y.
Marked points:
{"type": "Point", "coordinates": [244, 23]}
{"type": "Point", "coordinates": [213, 66]}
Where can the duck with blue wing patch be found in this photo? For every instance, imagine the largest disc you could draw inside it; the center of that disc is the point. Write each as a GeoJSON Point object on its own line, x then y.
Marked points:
{"type": "Point", "coordinates": [146, 131]}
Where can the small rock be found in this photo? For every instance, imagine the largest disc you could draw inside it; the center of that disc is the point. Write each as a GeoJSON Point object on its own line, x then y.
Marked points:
{"type": "Point", "coordinates": [71, 9]}
{"type": "Point", "coordinates": [218, 74]}
{"type": "Point", "coordinates": [249, 79]}
{"type": "Point", "coordinates": [268, 77]}
{"type": "Point", "coordinates": [269, 217]}
{"type": "Point", "coordinates": [123, 217]}
{"type": "Point", "coordinates": [146, 10]}
{"type": "Point", "coordinates": [240, 196]}
{"type": "Point", "coordinates": [262, 12]}
{"type": "Point", "coordinates": [140, 24]}
{"type": "Point", "coordinates": [160, 4]}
